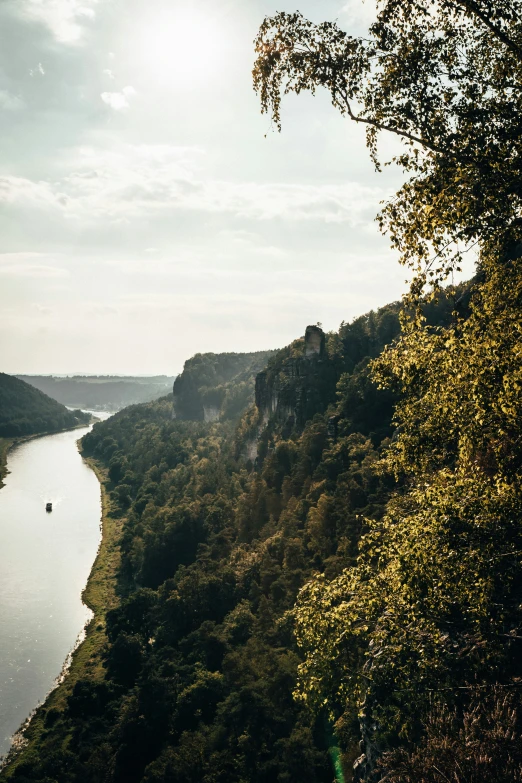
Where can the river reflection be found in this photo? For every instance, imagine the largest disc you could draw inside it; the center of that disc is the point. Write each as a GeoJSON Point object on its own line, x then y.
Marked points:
{"type": "Point", "coordinates": [45, 559]}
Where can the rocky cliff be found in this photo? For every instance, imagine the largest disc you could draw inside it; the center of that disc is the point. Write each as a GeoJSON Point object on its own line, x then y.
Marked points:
{"type": "Point", "coordinates": [217, 386]}
{"type": "Point", "coordinates": [298, 382]}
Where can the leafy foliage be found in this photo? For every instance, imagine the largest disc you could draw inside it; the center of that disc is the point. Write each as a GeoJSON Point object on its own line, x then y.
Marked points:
{"type": "Point", "coordinates": [434, 598]}
{"type": "Point", "coordinates": [433, 603]}
{"type": "Point", "coordinates": [444, 78]}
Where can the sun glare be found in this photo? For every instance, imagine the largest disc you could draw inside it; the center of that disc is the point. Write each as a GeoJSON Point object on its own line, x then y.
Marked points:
{"type": "Point", "coordinates": [182, 46]}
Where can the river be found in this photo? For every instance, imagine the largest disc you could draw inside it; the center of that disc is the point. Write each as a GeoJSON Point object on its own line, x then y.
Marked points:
{"type": "Point", "coordinates": [45, 560]}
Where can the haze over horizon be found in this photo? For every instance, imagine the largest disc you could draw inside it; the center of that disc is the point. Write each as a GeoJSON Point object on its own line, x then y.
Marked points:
{"type": "Point", "coordinates": [148, 210]}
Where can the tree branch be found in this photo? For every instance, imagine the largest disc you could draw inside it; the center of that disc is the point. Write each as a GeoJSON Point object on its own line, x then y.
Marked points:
{"type": "Point", "coordinates": [472, 7]}
{"type": "Point", "coordinates": [382, 127]}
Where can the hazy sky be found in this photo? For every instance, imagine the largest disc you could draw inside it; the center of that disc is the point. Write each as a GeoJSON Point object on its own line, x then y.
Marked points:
{"type": "Point", "coordinates": [144, 216]}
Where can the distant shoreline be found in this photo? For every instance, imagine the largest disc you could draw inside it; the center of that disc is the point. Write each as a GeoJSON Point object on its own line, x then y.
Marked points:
{"type": "Point", "coordinates": [5, 446]}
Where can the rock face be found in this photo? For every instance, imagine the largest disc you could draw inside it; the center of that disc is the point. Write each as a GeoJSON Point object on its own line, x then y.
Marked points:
{"type": "Point", "coordinates": [216, 386]}
{"type": "Point", "coordinates": [187, 399]}
{"type": "Point", "coordinates": [314, 342]}
{"type": "Point", "coordinates": [219, 386]}
{"type": "Point", "coordinates": [250, 449]}
{"type": "Point", "coordinates": [210, 413]}
{"type": "Point", "coordinates": [293, 385]}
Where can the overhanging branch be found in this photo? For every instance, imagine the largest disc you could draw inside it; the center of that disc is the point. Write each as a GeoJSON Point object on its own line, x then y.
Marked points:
{"type": "Point", "coordinates": [380, 126]}
{"type": "Point", "coordinates": [472, 7]}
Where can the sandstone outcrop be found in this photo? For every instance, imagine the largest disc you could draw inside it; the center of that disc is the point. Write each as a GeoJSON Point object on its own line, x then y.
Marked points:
{"type": "Point", "coordinates": [216, 386]}
{"type": "Point", "coordinates": [314, 342]}
{"type": "Point", "coordinates": [291, 388]}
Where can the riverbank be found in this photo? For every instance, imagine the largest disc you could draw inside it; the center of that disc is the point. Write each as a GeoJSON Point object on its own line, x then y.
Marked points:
{"type": "Point", "coordinates": [85, 662]}
{"type": "Point", "coordinates": [5, 445]}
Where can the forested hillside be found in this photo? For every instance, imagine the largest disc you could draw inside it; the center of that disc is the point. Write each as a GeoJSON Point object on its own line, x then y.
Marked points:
{"type": "Point", "coordinates": [26, 411]}
{"type": "Point", "coordinates": [223, 524]}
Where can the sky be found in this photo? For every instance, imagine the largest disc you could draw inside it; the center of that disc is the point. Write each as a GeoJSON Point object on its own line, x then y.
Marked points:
{"type": "Point", "coordinates": [148, 211]}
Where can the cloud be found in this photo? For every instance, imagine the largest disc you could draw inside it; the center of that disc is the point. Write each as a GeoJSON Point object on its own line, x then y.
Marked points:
{"type": "Point", "coordinates": [29, 265]}
{"type": "Point", "coordinates": [118, 100]}
{"type": "Point", "coordinates": [33, 270]}
{"type": "Point", "coordinates": [109, 73]}
{"type": "Point", "coordinates": [101, 310]}
{"type": "Point", "coordinates": [64, 18]}
{"type": "Point", "coordinates": [346, 203]}
{"type": "Point", "coordinates": [10, 102]}
{"type": "Point", "coordinates": [249, 242]}
{"type": "Point", "coordinates": [136, 182]}
{"type": "Point", "coordinates": [41, 309]}
{"type": "Point", "coordinates": [19, 190]}
{"type": "Point", "coordinates": [358, 15]}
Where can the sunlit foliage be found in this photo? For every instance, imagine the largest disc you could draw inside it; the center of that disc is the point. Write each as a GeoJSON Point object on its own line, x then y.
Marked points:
{"type": "Point", "coordinates": [444, 78]}
{"type": "Point", "coordinates": [433, 604]}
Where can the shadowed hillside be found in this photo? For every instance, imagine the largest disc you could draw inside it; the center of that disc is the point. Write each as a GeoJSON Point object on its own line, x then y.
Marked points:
{"type": "Point", "coordinates": [25, 410]}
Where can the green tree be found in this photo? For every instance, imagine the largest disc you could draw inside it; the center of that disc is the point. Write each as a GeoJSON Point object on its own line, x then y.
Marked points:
{"type": "Point", "coordinates": [443, 77]}
{"type": "Point", "coordinates": [433, 603]}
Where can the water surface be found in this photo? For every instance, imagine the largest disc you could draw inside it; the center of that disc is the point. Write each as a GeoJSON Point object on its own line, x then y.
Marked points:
{"type": "Point", "coordinates": [45, 560]}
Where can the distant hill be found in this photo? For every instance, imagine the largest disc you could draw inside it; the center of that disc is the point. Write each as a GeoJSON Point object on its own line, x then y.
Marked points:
{"type": "Point", "coordinates": [101, 392]}
{"type": "Point", "coordinates": [25, 410]}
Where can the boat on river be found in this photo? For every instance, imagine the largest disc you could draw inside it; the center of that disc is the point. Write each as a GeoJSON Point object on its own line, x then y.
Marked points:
{"type": "Point", "coordinates": [48, 506]}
